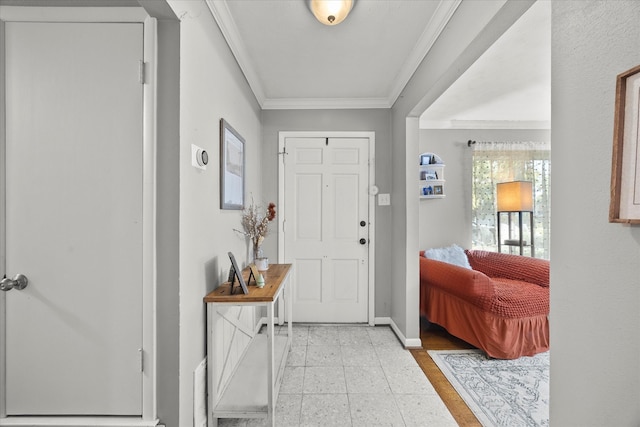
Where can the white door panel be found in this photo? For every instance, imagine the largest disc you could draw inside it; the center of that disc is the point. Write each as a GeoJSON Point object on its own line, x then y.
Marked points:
{"type": "Point", "coordinates": [326, 183]}
{"type": "Point", "coordinates": [74, 218]}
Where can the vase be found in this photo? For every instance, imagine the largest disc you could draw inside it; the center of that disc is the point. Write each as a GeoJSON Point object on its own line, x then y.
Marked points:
{"type": "Point", "coordinates": [261, 262]}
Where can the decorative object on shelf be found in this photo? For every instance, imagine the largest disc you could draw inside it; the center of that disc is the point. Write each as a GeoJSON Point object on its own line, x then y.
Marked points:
{"type": "Point", "coordinates": [625, 193]}
{"type": "Point", "coordinates": [431, 176]}
{"type": "Point", "coordinates": [255, 222]}
{"type": "Point", "coordinates": [515, 197]}
{"type": "Point", "coordinates": [231, 167]}
{"type": "Point", "coordinates": [330, 12]}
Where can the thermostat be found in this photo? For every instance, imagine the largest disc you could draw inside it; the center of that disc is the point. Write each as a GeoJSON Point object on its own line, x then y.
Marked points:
{"type": "Point", "coordinates": [199, 157]}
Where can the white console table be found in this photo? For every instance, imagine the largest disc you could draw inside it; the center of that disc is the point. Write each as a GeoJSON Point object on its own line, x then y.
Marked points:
{"type": "Point", "coordinates": [248, 386]}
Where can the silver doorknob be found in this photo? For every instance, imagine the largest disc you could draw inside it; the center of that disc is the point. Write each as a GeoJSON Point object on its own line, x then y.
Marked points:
{"type": "Point", "coordinates": [19, 282]}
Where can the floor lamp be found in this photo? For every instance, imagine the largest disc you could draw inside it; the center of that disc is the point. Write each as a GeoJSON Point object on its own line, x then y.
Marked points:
{"type": "Point", "coordinates": [515, 197]}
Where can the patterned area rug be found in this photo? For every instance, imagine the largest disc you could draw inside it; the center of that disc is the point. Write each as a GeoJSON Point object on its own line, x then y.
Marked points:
{"type": "Point", "coordinates": [499, 392]}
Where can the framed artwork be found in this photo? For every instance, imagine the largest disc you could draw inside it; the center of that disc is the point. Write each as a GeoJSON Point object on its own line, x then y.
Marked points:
{"type": "Point", "coordinates": [437, 189]}
{"type": "Point", "coordinates": [624, 206]}
{"type": "Point", "coordinates": [231, 167]}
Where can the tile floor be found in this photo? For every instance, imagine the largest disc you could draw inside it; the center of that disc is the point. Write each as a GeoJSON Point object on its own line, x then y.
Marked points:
{"type": "Point", "coordinates": [353, 376]}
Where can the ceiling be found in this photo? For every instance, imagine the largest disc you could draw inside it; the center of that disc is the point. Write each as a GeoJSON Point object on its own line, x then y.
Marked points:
{"type": "Point", "coordinates": [292, 61]}
{"type": "Point", "coordinates": [509, 86]}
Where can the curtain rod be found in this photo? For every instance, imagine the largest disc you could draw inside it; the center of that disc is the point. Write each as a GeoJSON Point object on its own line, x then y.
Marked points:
{"type": "Point", "coordinates": [473, 142]}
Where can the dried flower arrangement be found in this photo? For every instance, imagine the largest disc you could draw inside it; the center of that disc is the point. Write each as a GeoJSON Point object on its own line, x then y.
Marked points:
{"type": "Point", "coordinates": [256, 224]}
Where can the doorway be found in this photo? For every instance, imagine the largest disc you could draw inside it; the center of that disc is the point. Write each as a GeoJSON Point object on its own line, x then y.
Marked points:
{"type": "Point", "coordinates": [327, 226]}
{"type": "Point", "coordinates": [75, 218]}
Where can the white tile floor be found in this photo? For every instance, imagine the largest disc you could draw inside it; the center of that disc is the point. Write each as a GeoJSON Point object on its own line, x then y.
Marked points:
{"type": "Point", "coordinates": [353, 376]}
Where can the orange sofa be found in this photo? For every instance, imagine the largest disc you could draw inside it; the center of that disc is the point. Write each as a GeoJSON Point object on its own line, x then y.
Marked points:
{"type": "Point", "coordinates": [501, 305]}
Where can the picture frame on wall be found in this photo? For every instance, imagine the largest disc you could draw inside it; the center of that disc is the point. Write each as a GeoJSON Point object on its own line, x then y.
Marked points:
{"type": "Point", "coordinates": [625, 166]}
{"type": "Point", "coordinates": [232, 166]}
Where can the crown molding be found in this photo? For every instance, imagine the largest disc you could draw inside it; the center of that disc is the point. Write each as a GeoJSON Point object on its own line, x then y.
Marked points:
{"type": "Point", "coordinates": [485, 124]}
{"type": "Point", "coordinates": [442, 15]}
{"type": "Point", "coordinates": [229, 29]}
{"type": "Point", "coordinates": [324, 103]}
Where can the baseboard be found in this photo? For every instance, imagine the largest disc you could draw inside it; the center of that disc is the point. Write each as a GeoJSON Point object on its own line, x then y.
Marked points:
{"type": "Point", "coordinates": [407, 343]}
{"type": "Point", "coordinates": [378, 321]}
{"type": "Point", "coordinates": [77, 421]}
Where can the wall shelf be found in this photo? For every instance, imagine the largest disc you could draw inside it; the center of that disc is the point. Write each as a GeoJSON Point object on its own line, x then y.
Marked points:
{"type": "Point", "coordinates": [431, 182]}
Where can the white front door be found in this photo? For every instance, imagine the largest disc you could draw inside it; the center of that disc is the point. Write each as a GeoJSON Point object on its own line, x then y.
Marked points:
{"type": "Point", "coordinates": [73, 220]}
{"type": "Point", "coordinates": [326, 217]}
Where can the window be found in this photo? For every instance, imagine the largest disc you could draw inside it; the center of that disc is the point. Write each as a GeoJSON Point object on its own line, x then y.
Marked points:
{"type": "Point", "coordinates": [495, 162]}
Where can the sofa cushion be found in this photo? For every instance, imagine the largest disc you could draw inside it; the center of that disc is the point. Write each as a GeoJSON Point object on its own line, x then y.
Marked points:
{"type": "Point", "coordinates": [453, 254]}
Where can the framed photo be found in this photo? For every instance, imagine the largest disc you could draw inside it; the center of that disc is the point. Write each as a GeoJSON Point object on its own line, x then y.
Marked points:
{"type": "Point", "coordinates": [237, 273]}
{"type": "Point", "coordinates": [231, 167]}
{"type": "Point", "coordinates": [437, 189]}
{"type": "Point", "coordinates": [425, 159]}
{"type": "Point", "coordinates": [254, 273]}
{"type": "Point", "coordinates": [624, 206]}
{"type": "Point", "coordinates": [430, 175]}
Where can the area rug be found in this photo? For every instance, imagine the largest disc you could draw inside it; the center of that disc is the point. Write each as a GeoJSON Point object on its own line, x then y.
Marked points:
{"type": "Point", "coordinates": [499, 392]}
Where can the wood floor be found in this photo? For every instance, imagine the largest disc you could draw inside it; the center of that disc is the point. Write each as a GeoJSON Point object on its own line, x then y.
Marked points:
{"type": "Point", "coordinates": [436, 338]}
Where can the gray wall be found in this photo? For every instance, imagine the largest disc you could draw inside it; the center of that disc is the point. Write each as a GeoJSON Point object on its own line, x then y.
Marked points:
{"type": "Point", "coordinates": [376, 120]}
{"type": "Point", "coordinates": [167, 220]}
{"type": "Point", "coordinates": [212, 86]}
{"type": "Point", "coordinates": [447, 221]}
{"type": "Point", "coordinates": [595, 265]}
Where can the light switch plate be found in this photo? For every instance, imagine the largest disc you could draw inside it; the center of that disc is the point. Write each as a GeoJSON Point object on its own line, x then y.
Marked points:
{"type": "Point", "coordinates": [384, 199]}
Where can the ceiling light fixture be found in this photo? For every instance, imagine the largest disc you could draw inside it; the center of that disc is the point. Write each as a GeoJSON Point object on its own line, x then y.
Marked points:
{"type": "Point", "coordinates": [331, 12]}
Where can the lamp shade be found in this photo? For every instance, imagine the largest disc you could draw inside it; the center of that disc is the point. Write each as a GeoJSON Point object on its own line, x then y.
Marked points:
{"type": "Point", "coordinates": [330, 12]}
{"type": "Point", "coordinates": [515, 196]}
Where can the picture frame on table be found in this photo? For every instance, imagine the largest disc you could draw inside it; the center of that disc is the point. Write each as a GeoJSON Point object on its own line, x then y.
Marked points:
{"type": "Point", "coordinates": [236, 273]}
{"type": "Point", "coordinates": [232, 166]}
{"type": "Point", "coordinates": [624, 206]}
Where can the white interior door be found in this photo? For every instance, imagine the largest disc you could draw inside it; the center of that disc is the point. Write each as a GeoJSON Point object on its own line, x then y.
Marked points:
{"type": "Point", "coordinates": [73, 189]}
{"type": "Point", "coordinates": [327, 226]}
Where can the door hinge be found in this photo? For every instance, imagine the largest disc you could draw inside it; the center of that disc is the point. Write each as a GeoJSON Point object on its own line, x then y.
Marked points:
{"type": "Point", "coordinates": [141, 357]}
{"type": "Point", "coordinates": [141, 69]}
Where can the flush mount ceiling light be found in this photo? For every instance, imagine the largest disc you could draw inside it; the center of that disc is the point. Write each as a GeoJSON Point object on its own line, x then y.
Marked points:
{"type": "Point", "coordinates": [330, 12]}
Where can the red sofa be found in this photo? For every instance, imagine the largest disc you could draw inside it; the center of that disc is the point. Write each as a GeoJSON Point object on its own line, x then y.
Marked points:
{"type": "Point", "coordinates": [501, 305]}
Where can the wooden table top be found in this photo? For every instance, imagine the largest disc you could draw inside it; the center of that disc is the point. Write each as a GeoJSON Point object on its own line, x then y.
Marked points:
{"type": "Point", "coordinates": [273, 278]}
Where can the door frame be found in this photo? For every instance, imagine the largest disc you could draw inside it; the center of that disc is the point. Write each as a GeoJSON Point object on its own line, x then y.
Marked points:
{"type": "Point", "coordinates": [371, 136]}
{"type": "Point", "coordinates": [149, 141]}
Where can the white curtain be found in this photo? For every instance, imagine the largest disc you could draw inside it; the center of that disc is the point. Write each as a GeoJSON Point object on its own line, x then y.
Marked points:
{"type": "Point", "coordinates": [495, 162]}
